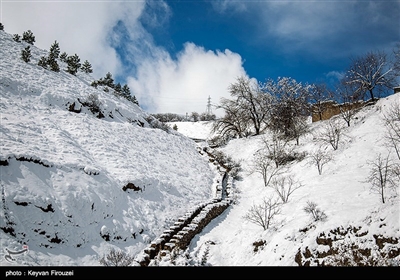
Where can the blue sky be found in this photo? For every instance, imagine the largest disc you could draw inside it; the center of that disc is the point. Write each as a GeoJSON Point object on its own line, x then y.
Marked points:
{"type": "Point", "coordinates": [174, 54]}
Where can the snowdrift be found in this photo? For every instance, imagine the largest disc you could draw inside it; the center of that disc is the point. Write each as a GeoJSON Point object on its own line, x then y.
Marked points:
{"type": "Point", "coordinates": [73, 181]}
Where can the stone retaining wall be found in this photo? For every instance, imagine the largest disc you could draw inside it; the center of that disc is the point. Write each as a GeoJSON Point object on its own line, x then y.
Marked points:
{"type": "Point", "coordinates": [331, 108]}
{"type": "Point", "coordinates": [180, 234]}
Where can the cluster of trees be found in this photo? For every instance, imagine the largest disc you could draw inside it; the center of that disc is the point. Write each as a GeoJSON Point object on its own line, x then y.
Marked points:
{"type": "Point", "coordinates": [283, 105]}
{"type": "Point", "coordinates": [384, 173]}
{"type": "Point", "coordinates": [193, 117]}
{"type": "Point", "coordinates": [50, 61]}
{"type": "Point", "coordinates": [270, 160]}
{"type": "Point", "coordinates": [108, 83]}
{"type": "Point", "coordinates": [27, 36]}
{"type": "Point", "coordinates": [73, 62]}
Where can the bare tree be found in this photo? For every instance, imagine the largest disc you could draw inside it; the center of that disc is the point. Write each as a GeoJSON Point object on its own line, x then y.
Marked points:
{"type": "Point", "coordinates": [291, 106]}
{"type": "Point", "coordinates": [331, 133]}
{"type": "Point", "coordinates": [285, 186]}
{"type": "Point", "coordinates": [93, 103]}
{"type": "Point", "coordinates": [316, 213]}
{"type": "Point", "coordinates": [371, 72]}
{"type": "Point", "coordinates": [249, 96]}
{"type": "Point", "coordinates": [383, 175]}
{"type": "Point", "coordinates": [320, 157]}
{"type": "Point", "coordinates": [264, 213]}
{"type": "Point", "coordinates": [233, 124]}
{"type": "Point", "coordinates": [300, 127]}
{"type": "Point", "coordinates": [320, 96]}
{"type": "Point", "coordinates": [348, 108]}
{"type": "Point", "coordinates": [116, 258]}
{"type": "Point", "coordinates": [347, 112]}
{"type": "Point", "coordinates": [265, 165]}
{"type": "Point", "coordinates": [396, 58]}
{"type": "Point", "coordinates": [277, 148]}
{"type": "Point", "coordinates": [392, 124]}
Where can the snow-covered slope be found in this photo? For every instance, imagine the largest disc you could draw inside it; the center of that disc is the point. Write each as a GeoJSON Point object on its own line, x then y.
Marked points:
{"type": "Point", "coordinates": [201, 130]}
{"type": "Point", "coordinates": [357, 221]}
{"type": "Point", "coordinates": [65, 175]}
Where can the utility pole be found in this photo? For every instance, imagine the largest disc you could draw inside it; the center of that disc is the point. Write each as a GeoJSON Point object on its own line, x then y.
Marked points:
{"type": "Point", "coordinates": [209, 106]}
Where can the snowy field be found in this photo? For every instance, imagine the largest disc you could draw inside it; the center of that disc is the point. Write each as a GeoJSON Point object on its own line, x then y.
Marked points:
{"type": "Point", "coordinates": [63, 174]}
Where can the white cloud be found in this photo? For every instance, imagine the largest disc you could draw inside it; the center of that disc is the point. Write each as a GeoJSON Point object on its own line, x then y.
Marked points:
{"type": "Point", "coordinates": [335, 75]}
{"type": "Point", "coordinates": [111, 36]}
{"type": "Point", "coordinates": [183, 85]}
{"type": "Point", "coordinates": [78, 27]}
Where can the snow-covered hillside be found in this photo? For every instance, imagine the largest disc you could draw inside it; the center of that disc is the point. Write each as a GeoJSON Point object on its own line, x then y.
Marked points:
{"type": "Point", "coordinates": [357, 220]}
{"type": "Point", "coordinates": [65, 173]}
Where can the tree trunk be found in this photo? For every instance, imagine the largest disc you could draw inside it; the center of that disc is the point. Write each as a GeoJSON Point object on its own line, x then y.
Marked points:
{"type": "Point", "coordinates": [372, 95]}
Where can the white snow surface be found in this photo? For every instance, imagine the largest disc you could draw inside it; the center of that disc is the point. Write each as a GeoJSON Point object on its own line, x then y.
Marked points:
{"type": "Point", "coordinates": [71, 189]}
{"type": "Point", "coordinates": [83, 163]}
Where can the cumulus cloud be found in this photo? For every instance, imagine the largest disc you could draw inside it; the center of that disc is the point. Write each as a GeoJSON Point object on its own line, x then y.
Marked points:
{"type": "Point", "coordinates": [83, 28]}
{"type": "Point", "coordinates": [183, 85]}
{"type": "Point", "coordinates": [112, 35]}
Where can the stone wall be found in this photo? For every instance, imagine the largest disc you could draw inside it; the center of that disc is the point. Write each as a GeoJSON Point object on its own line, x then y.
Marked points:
{"type": "Point", "coordinates": [180, 234]}
{"type": "Point", "coordinates": [331, 108]}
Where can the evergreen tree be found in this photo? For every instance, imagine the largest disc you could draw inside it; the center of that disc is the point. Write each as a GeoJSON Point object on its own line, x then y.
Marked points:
{"type": "Point", "coordinates": [134, 100]}
{"type": "Point", "coordinates": [63, 57]}
{"type": "Point", "coordinates": [43, 62]}
{"type": "Point", "coordinates": [126, 92]}
{"type": "Point", "coordinates": [53, 65]}
{"type": "Point", "coordinates": [26, 54]}
{"type": "Point", "coordinates": [54, 51]}
{"type": "Point", "coordinates": [17, 38]}
{"type": "Point", "coordinates": [108, 80]}
{"type": "Point", "coordinates": [87, 67]}
{"type": "Point", "coordinates": [95, 83]}
{"type": "Point", "coordinates": [54, 54]}
{"type": "Point", "coordinates": [28, 37]}
{"type": "Point", "coordinates": [1, 26]}
{"type": "Point", "coordinates": [118, 88]}
{"type": "Point", "coordinates": [74, 64]}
